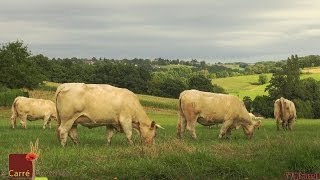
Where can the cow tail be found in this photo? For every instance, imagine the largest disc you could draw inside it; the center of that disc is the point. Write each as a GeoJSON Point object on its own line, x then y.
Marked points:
{"type": "Point", "coordinates": [13, 108]}
{"type": "Point", "coordinates": [179, 105]}
{"type": "Point", "coordinates": [58, 116]}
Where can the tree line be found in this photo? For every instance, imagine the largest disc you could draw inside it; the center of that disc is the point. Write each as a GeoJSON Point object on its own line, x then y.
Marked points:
{"type": "Point", "coordinates": [20, 69]}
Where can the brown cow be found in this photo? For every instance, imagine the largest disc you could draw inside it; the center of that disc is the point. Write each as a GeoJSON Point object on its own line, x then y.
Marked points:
{"type": "Point", "coordinates": [285, 111]}
{"type": "Point", "coordinates": [33, 109]}
{"type": "Point", "coordinates": [94, 105]}
{"type": "Point", "coordinates": [211, 108]}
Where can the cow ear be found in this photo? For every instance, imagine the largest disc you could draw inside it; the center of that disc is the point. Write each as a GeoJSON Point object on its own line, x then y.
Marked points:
{"type": "Point", "coordinates": [153, 125]}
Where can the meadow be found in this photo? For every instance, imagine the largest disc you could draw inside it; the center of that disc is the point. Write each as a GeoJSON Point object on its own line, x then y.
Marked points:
{"type": "Point", "coordinates": [248, 85]}
{"type": "Point", "coordinates": [268, 155]}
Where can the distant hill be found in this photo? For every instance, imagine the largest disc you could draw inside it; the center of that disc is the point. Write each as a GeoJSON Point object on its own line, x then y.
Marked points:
{"type": "Point", "coordinates": [247, 85]}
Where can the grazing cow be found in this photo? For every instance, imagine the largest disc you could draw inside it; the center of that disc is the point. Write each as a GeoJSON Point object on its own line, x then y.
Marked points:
{"type": "Point", "coordinates": [285, 111]}
{"type": "Point", "coordinates": [211, 108]}
{"type": "Point", "coordinates": [33, 109]}
{"type": "Point", "coordinates": [93, 105]}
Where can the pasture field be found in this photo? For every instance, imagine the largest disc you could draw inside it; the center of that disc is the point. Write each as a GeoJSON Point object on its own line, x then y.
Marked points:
{"type": "Point", "coordinates": [233, 66]}
{"type": "Point", "coordinates": [268, 155]}
{"type": "Point", "coordinates": [247, 85]}
{"type": "Point", "coordinates": [242, 85]}
{"type": "Point", "coordinates": [311, 70]}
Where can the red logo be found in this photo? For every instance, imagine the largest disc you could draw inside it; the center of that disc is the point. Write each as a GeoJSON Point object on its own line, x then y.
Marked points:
{"type": "Point", "coordinates": [20, 166]}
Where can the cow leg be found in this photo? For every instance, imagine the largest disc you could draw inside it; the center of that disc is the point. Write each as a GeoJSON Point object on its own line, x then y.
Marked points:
{"type": "Point", "coordinates": [224, 128]}
{"type": "Point", "coordinates": [290, 125]}
{"type": "Point", "coordinates": [109, 134]}
{"type": "Point", "coordinates": [228, 134]}
{"type": "Point", "coordinates": [191, 119]}
{"type": "Point", "coordinates": [278, 124]}
{"type": "Point", "coordinates": [23, 121]}
{"type": "Point", "coordinates": [284, 125]}
{"type": "Point", "coordinates": [191, 128]}
{"type": "Point", "coordinates": [181, 125]}
{"type": "Point", "coordinates": [45, 121]}
{"type": "Point", "coordinates": [49, 123]}
{"type": "Point", "coordinates": [73, 134]}
{"type": "Point", "coordinates": [13, 121]}
{"type": "Point", "coordinates": [63, 130]}
{"type": "Point", "coordinates": [127, 128]}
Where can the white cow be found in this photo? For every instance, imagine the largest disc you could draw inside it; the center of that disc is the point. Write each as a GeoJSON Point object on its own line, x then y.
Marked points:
{"type": "Point", "coordinates": [285, 111]}
{"type": "Point", "coordinates": [94, 105]}
{"type": "Point", "coordinates": [32, 109]}
{"type": "Point", "coordinates": [212, 108]}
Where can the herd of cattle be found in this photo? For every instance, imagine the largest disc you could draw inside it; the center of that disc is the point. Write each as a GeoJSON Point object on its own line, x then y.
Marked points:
{"type": "Point", "coordinates": [94, 105]}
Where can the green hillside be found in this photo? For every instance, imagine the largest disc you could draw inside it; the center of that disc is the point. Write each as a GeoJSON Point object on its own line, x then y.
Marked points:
{"type": "Point", "coordinates": [247, 85]}
{"type": "Point", "coordinates": [242, 85]}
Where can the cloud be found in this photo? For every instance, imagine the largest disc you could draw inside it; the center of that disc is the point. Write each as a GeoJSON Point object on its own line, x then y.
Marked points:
{"type": "Point", "coordinates": [208, 29]}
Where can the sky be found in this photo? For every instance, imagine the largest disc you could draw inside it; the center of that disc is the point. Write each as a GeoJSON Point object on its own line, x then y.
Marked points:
{"type": "Point", "coordinates": [210, 30]}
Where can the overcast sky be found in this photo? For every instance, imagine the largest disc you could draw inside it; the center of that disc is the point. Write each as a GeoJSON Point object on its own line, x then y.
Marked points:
{"type": "Point", "coordinates": [211, 30]}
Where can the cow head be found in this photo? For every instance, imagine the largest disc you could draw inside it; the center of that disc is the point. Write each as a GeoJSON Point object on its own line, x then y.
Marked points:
{"type": "Point", "coordinates": [249, 129]}
{"type": "Point", "coordinates": [148, 133]}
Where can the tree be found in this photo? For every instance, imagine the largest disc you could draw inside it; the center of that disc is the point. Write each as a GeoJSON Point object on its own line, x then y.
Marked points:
{"type": "Point", "coordinates": [248, 103]}
{"type": "Point", "coordinates": [263, 105]}
{"type": "Point", "coordinates": [17, 69]}
{"type": "Point", "coordinates": [304, 108]}
{"type": "Point", "coordinates": [262, 79]}
{"type": "Point", "coordinates": [286, 81]}
{"type": "Point", "coordinates": [166, 84]}
{"type": "Point", "coordinates": [172, 88]}
{"type": "Point", "coordinates": [200, 83]}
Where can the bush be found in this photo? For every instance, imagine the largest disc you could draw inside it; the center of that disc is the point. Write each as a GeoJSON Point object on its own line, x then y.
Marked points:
{"type": "Point", "coordinates": [7, 96]}
{"type": "Point", "coordinates": [262, 79]}
{"type": "Point", "coordinates": [304, 108]}
{"type": "Point", "coordinates": [247, 102]}
{"type": "Point", "coordinates": [263, 105]}
{"type": "Point", "coordinates": [172, 88]}
{"type": "Point", "coordinates": [200, 83]}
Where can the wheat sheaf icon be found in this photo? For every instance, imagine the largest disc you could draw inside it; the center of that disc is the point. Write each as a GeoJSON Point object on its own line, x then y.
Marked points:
{"type": "Point", "coordinates": [33, 156]}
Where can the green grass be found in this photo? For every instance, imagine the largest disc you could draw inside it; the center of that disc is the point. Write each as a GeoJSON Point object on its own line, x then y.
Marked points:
{"type": "Point", "coordinates": [172, 66]}
{"type": "Point", "coordinates": [268, 155]}
{"type": "Point", "coordinates": [158, 102]}
{"type": "Point", "coordinates": [233, 66]}
{"type": "Point", "coordinates": [316, 76]}
{"type": "Point", "coordinates": [242, 85]}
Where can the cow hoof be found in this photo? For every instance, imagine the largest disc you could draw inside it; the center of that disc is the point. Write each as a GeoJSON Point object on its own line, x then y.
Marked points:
{"type": "Point", "coordinates": [179, 136]}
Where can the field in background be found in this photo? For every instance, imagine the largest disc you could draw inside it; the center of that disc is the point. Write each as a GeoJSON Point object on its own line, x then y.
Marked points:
{"type": "Point", "coordinates": [172, 66]}
{"type": "Point", "coordinates": [239, 86]}
{"type": "Point", "coordinates": [248, 85]}
{"type": "Point", "coordinates": [233, 66]}
{"type": "Point", "coordinates": [311, 70]}
{"type": "Point", "coordinates": [242, 85]}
